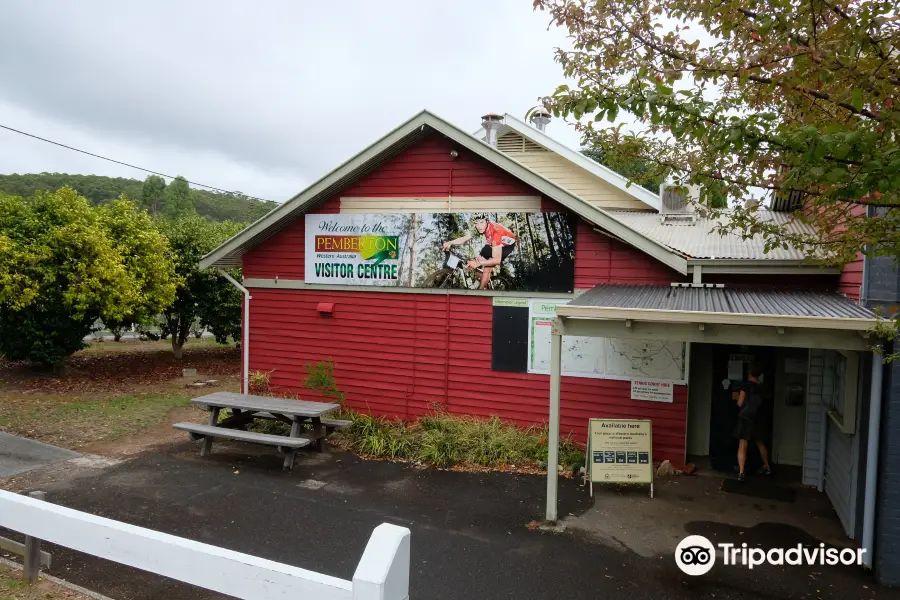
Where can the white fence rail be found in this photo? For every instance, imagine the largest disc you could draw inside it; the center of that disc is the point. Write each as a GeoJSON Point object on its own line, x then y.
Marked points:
{"type": "Point", "coordinates": [382, 574]}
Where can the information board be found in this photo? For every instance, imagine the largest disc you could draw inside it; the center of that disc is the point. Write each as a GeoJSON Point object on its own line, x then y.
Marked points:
{"type": "Point", "coordinates": [620, 451]}
{"type": "Point", "coordinates": [605, 358]}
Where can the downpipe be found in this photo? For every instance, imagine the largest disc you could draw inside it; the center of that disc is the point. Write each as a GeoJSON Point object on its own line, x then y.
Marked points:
{"type": "Point", "coordinates": [245, 332]}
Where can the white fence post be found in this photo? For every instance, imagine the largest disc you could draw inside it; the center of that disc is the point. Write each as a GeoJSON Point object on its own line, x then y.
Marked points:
{"type": "Point", "coordinates": [383, 572]}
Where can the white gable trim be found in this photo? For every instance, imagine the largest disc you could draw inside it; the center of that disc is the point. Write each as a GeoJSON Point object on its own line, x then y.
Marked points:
{"type": "Point", "coordinates": [223, 256]}
{"type": "Point", "coordinates": [605, 173]}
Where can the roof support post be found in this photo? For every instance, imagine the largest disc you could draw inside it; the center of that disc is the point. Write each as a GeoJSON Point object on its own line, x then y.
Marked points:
{"type": "Point", "coordinates": [245, 332]}
{"type": "Point", "coordinates": [553, 436]}
{"type": "Point", "coordinates": [698, 274]}
{"type": "Point", "coordinates": [868, 541]}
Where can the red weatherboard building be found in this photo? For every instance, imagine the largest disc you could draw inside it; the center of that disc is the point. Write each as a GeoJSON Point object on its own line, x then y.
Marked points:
{"type": "Point", "coordinates": [406, 352]}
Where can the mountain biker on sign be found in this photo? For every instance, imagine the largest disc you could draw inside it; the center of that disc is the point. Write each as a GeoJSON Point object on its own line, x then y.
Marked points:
{"type": "Point", "coordinates": [500, 243]}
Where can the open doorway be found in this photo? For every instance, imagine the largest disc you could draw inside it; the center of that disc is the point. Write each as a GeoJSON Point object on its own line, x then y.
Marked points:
{"type": "Point", "coordinates": [782, 414]}
{"type": "Point", "coordinates": [730, 369]}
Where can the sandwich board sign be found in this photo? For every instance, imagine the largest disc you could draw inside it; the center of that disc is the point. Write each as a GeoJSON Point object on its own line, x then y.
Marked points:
{"type": "Point", "coordinates": [620, 451]}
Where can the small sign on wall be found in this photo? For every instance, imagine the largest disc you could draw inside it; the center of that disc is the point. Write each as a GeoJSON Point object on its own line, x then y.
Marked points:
{"type": "Point", "coordinates": [652, 390]}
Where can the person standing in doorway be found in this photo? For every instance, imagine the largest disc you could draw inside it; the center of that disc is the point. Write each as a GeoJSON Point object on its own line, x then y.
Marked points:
{"type": "Point", "coordinates": [749, 426]}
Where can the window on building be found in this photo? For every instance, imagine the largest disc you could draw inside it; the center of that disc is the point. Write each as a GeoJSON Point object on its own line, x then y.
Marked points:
{"type": "Point", "coordinates": [840, 389]}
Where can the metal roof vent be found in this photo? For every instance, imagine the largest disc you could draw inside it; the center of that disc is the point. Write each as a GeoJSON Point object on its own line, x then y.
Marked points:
{"type": "Point", "coordinates": [492, 123]}
{"type": "Point", "coordinates": [541, 118]}
{"type": "Point", "coordinates": [678, 203]}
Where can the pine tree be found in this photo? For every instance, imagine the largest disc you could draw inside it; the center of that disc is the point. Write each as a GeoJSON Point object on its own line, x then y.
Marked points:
{"type": "Point", "coordinates": [178, 200]}
{"type": "Point", "coordinates": [153, 192]}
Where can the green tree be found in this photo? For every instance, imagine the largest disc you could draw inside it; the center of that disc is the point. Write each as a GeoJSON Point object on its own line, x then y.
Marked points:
{"type": "Point", "coordinates": [798, 100]}
{"type": "Point", "coordinates": [153, 194]}
{"type": "Point", "coordinates": [637, 169]}
{"type": "Point", "coordinates": [65, 264]}
{"type": "Point", "coordinates": [178, 201]}
{"type": "Point", "coordinates": [202, 294]}
{"type": "Point", "coordinates": [140, 243]}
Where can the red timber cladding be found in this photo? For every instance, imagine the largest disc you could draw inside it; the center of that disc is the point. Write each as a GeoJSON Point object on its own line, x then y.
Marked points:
{"type": "Point", "coordinates": [423, 170]}
{"type": "Point", "coordinates": [404, 355]}
{"type": "Point", "coordinates": [851, 279]}
{"type": "Point", "coordinates": [602, 259]}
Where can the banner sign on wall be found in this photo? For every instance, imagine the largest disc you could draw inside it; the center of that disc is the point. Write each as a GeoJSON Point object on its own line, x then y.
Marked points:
{"type": "Point", "coordinates": [489, 251]}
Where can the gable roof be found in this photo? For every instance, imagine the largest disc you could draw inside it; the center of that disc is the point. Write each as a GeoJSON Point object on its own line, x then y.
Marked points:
{"type": "Point", "coordinates": [696, 241]}
{"type": "Point", "coordinates": [229, 253]}
{"type": "Point", "coordinates": [510, 123]}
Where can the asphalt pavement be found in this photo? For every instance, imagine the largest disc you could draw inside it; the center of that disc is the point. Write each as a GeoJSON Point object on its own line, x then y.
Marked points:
{"type": "Point", "coordinates": [19, 455]}
{"type": "Point", "coordinates": [470, 533]}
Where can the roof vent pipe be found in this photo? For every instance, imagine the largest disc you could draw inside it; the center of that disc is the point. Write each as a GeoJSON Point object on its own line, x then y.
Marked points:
{"type": "Point", "coordinates": [541, 118]}
{"type": "Point", "coordinates": [491, 123]}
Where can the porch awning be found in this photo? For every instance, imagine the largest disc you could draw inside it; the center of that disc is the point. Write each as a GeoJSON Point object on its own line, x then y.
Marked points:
{"type": "Point", "coordinates": [716, 314]}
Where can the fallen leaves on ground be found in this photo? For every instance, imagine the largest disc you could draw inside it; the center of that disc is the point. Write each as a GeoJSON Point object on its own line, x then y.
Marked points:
{"type": "Point", "coordinates": [104, 396]}
{"type": "Point", "coordinates": [109, 373]}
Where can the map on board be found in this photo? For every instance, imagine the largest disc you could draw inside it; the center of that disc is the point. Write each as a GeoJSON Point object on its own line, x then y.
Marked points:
{"type": "Point", "coordinates": [608, 358]}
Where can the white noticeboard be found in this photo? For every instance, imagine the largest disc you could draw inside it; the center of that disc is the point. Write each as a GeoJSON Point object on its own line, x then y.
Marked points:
{"type": "Point", "coordinates": [653, 391]}
{"type": "Point", "coordinates": [605, 358]}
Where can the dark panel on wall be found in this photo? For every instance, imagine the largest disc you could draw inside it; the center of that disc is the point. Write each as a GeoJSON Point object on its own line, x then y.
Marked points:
{"type": "Point", "coordinates": [509, 344]}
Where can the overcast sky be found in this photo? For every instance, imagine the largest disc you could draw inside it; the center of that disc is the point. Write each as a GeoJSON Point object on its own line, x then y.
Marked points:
{"type": "Point", "coordinates": [261, 97]}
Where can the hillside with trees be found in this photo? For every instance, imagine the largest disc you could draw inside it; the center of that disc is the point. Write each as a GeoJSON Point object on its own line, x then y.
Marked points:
{"type": "Point", "coordinates": [100, 190]}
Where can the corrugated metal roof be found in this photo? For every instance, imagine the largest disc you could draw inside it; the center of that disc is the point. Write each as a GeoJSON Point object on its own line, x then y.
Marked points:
{"type": "Point", "coordinates": [698, 240]}
{"type": "Point", "coordinates": [792, 303]}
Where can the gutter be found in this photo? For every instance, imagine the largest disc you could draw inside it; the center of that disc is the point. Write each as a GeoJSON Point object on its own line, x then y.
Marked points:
{"type": "Point", "coordinates": [768, 266]}
{"type": "Point", "coordinates": [245, 332]}
{"type": "Point", "coordinates": [860, 324]}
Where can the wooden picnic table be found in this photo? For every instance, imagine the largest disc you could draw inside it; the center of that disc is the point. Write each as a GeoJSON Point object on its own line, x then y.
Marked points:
{"type": "Point", "coordinates": [305, 418]}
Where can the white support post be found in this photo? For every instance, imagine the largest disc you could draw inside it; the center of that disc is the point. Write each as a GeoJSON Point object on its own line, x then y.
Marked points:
{"type": "Point", "coordinates": [383, 572]}
{"type": "Point", "coordinates": [553, 441]}
{"type": "Point", "coordinates": [245, 332]}
{"type": "Point", "coordinates": [871, 493]}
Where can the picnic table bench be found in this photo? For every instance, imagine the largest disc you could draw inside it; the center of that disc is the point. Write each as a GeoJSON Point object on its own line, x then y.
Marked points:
{"type": "Point", "coordinates": [305, 418]}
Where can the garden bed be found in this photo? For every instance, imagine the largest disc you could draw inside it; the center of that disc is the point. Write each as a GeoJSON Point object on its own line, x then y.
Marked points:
{"type": "Point", "coordinates": [458, 443]}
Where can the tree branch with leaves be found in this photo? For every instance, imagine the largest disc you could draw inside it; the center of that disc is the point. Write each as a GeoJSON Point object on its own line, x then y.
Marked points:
{"type": "Point", "coordinates": [749, 99]}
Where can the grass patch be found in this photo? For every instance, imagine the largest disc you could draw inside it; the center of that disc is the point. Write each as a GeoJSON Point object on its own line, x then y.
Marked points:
{"type": "Point", "coordinates": [447, 440]}
{"type": "Point", "coordinates": [78, 422]}
{"type": "Point", "coordinates": [12, 587]}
